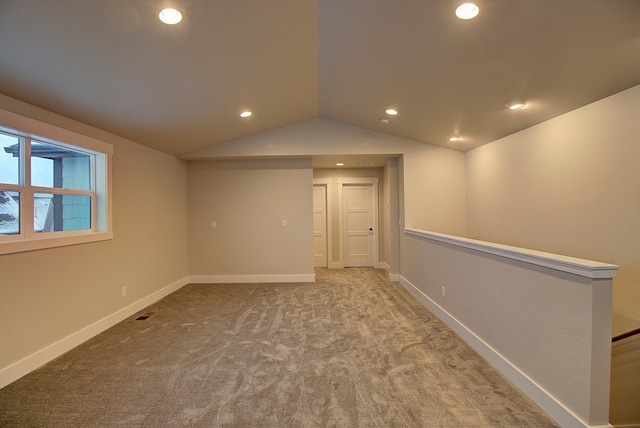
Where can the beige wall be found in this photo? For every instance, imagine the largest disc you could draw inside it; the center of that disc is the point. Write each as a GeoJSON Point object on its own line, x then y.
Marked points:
{"type": "Point", "coordinates": [433, 177]}
{"type": "Point", "coordinates": [544, 324]}
{"type": "Point", "coordinates": [248, 200]}
{"type": "Point", "coordinates": [568, 186]}
{"type": "Point", "coordinates": [47, 295]}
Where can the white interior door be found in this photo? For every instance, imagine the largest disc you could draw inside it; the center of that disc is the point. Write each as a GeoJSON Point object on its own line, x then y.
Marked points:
{"type": "Point", "coordinates": [359, 225]}
{"type": "Point", "coordinates": [320, 226]}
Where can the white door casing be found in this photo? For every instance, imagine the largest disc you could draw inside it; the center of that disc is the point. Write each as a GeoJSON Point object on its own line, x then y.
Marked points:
{"type": "Point", "coordinates": [320, 225]}
{"type": "Point", "coordinates": [358, 221]}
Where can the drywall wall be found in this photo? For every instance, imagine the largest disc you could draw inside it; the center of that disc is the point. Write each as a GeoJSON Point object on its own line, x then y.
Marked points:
{"type": "Point", "coordinates": [544, 321]}
{"type": "Point", "coordinates": [433, 177]}
{"type": "Point", "coordinates": [249, 201]}
{"type": "Point", "coordinates": [48, 295]}
{"type": "Point", "coordinates": [570, 186]}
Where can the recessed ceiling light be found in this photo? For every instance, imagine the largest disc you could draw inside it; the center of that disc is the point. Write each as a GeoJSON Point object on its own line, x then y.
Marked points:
{"type": "Point", "coordinates": [454, 138]}
{"type": "Point", "coordinates": [339, 164]}
{"type": "Point", "coordinates": [170, 16]}
{"type": "Point", "coordinates": [515, 105]}
{"type": "Point", "coordinates": [245, 114]}
{"type": "Point", "coordinates": [392, 111]}
{"type": "Point", "coordinates": [384, 121]}
{"type": "Point", "coordinates": [467, 11]}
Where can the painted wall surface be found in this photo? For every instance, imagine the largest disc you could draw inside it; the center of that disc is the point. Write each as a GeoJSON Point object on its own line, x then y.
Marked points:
{"type": "Point", "coordinates": [568, 186]}
{"type": "Point", "coordinates": [553, 327]}
{"type": "Point", "coordinates": [333, 175]}
{"type": "Point", "coordinates": [433, 177]}
{"type": "Point", "coordinates": [49, 294]}
{"type": "Point", "coordinates": [392, 229]}
{"type": "Point", "coordinates": [249, 200]}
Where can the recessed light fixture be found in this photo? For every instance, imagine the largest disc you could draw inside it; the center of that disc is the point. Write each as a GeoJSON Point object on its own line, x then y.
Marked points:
{"type": "Point", "coordinates": [339, 164]}
{"type": "Point", "coordinates": [515, 105]}
{"type": "Point", "coordinates": [384, 121]}
{"type": "Point", "coordinates": [454, 138]}
{"type": "Point", "coordinates": [467, 11]}
{"type": "Point", "coordinates": [245, 114]}
{"type": "Point", "coordinates": [170, 16]}
{"type": "Point", "coordinates": [392, 111]}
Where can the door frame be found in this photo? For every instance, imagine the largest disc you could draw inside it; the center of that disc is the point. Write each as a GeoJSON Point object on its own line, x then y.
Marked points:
{"type": "Point", "coordinates": [326, 182]}
{"type": "Point", "coordinates": [373, 181]}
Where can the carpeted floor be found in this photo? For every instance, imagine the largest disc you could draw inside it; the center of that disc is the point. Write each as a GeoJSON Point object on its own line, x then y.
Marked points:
{"type": "Point", "coordinates": [351, 350]}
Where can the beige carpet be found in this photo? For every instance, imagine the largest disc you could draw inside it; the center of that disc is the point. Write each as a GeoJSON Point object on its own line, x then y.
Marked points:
{"type": "Point", "coordinates": [351, 350]}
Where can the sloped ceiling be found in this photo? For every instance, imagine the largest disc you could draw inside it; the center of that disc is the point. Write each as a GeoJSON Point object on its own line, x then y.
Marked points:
{"type": "Point", "coordinates": [113, 65]}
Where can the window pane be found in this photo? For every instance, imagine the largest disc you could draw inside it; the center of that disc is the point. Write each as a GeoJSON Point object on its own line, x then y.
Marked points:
{"type": "Point", "coordinates": [9, 159]}
{"type": "Point", "coordinates": [9, 213]}
{"type": "Point", "coordinates": [59, 168]}
{"type": "Point", "coordinates": [58, 213]}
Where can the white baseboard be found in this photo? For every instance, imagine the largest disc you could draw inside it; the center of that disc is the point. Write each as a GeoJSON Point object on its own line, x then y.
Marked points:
{"type": "Point", "coordinates": [394, 277]}
{"type": "Point", "coordinates": [556, 410]}
{"type": "Point", "coordinates": [246, 279]}
{"type": "Point", "coordinates": [336, 265]}
{"type": "Point", "coordinates": [28, 364]}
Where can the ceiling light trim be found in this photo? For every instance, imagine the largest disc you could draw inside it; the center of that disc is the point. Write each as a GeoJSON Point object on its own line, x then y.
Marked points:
{"type": "Point", "coordinates": [516, 104]}
{"type": "Point", "coordinates": [170, 16]}
{"type": "Point", "coordinates": [467, 11]}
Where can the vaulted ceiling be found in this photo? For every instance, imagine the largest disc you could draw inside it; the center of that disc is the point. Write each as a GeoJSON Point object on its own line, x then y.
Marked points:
{"type": "Point", "coordinates": [114, 65]}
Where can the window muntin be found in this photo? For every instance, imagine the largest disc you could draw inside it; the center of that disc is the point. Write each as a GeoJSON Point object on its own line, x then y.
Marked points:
{"type": "Point", "coordinates": [54, 187]}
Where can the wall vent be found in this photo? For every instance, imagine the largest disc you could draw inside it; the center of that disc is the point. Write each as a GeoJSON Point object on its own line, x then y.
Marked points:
{"type": "Point", "coordinates": [145, 316]}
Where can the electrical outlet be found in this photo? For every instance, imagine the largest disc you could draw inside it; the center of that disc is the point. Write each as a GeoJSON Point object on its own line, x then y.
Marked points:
{"type": "Point", "coordinates": [284, 223]}
{"type": "Point", "coordinates": [444, 293]}
{"type": "Point", "coordinates": [124, 291]}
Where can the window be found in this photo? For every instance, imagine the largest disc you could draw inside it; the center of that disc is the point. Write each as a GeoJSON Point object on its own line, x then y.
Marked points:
{"type": "Point", "coordinates": [54, 186]}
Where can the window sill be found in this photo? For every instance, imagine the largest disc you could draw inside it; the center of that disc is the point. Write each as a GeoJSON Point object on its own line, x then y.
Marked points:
{"type": "Point", "coordinates": [9, 247]}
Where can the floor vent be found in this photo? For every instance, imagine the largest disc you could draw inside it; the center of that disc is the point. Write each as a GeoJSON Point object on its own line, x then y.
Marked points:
{"type": "Point", "coordinates": [145, 316]}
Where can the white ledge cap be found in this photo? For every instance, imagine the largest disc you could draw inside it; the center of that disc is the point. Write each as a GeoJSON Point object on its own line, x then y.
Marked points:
{"type": "Point", "coordinates": [582, 267]}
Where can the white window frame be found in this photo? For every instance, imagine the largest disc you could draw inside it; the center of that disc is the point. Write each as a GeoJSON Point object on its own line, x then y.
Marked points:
{"type": "Point", "coordinates": [28, 129]}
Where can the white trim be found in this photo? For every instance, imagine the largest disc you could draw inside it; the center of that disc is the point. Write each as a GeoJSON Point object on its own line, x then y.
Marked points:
{"type": "Point", "coordinates": [336, 265]}
{"type": "Point", "coordinates": [326, 182]}
{"type": "Point", "coordinates": [395, 277]}
{"type": "Point", "coordinates": [45, 132]}
{"type": "Point", "coordinates": [558, 412]}
{"type": "Point", "coordinates": [28, 364]}
{"type": "Point", "coordinates": [51, 242]}
{"type": "Point", "coordinates": [246, 279]}
{"type": "Point", "coordinates": [581, 267]}
{"type": "Point", "coordinates": [392, 277]}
